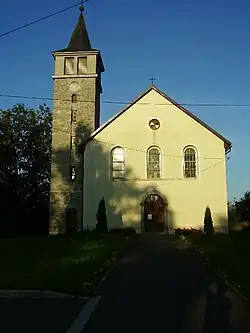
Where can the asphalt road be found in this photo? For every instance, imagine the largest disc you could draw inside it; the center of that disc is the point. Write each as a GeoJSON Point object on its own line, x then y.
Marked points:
{"type": "Point", "coordinates": [38, 315]}
{"type": "Point", "coordinates": [158, 286]}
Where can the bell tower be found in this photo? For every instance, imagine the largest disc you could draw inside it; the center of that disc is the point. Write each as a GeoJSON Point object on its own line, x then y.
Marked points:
{"type": "Point", "coordinates": [76, 114]}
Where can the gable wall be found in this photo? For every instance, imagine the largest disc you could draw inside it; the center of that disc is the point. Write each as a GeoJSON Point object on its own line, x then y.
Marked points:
{"type": "Point", "coordinates": [187, 198]}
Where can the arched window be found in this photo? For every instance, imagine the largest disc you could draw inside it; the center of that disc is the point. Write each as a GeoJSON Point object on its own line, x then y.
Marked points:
{"type": "Point", "coordinates": [190, 170]}
{"type": "Point", "coordinates": [153, 163]}
{"type": "Point", "coordinates": [118, 163]}
{"type": "Point", "coordinates": [74, 98]}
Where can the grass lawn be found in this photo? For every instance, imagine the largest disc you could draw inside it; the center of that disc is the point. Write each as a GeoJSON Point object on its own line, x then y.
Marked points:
{"type": "Point", "coordinates": [68, 264]}
{"type": "Point", "coordinates": [230, 254]}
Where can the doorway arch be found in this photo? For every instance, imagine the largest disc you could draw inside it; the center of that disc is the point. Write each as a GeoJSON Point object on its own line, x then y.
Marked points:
{"type": "Point", "coordinates": [154, 212]}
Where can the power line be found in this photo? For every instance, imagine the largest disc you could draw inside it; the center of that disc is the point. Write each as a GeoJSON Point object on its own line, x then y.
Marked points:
{"type": "Point", "coordinates": [184, 179]}
{"type": "Point", "coordinates": [126, 103]}
{"type": "Point", "coordinates": [41, 19]}
{"type": "Point", "coordinates": [156, 181]}
{"type": "Point", "coordinates": [126, 147]}
{"type": "Point", "coordinates": [140, 150]}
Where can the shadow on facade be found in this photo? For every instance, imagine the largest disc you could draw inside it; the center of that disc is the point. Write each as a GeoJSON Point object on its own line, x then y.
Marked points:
{"type": "Point", "coordinates": [120, 196]}
{"type": "Point", "coordinates": [223, 225]}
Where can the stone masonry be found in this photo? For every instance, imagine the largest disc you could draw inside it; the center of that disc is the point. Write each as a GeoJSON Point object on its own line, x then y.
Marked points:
{"type": "Point", "coordinates": [65, 193]}
{"type": "Point", "coordinates": [76, 113]}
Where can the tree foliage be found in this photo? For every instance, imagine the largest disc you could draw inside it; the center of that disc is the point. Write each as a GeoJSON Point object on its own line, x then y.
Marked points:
{"type": "Point", "coordinates": [25, 153]}
{"type": "Point", "coordinates": [242, 208]}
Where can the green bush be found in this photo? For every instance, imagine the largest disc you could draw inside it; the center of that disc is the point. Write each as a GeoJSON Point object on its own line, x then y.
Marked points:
{"type": "Point", "coordinates": [245, 231]}
{"type": "Point", "coordinates": [123, 231]}
{"type": "Point", "coordinates": [101, 216]}
{"type": "Point", "coordinates": [208, 222]}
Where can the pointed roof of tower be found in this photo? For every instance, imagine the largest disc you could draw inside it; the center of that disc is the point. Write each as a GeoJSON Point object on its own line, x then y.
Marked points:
{"type": "Point", "coordinates": [79, 40]}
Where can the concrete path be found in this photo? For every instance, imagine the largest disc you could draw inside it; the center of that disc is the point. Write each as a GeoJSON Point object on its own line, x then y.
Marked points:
{"type": "Point", "coordinates": [160, 287]}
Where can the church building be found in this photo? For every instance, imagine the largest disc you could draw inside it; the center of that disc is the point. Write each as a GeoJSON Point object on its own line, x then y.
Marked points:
{"type": "Point", "coordinates": [157, 166]}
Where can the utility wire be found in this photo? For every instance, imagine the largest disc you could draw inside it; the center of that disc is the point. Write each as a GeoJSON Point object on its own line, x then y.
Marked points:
{"type": "Point", "coordinates": [125, 147]}
{"type": "Point", "coordinates": [41, 19]}
{"type": "Point", "coordinates": [161, 181]}
{"type": "Point", "coordinates": [199, 172]}
{"type": "Point", "coordinates": [127, 103]}
{"type": "Point", "coordinates": [139, 150]}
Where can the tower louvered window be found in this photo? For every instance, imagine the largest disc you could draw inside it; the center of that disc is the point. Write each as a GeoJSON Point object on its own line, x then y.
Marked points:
{"type": "Point", "coordinates": [82, 65]}
{"type": "Point", "coordinates": [69, 65]}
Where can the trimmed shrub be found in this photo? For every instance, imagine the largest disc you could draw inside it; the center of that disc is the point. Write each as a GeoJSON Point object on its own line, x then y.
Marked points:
{"type": "Point", "coordinates": [246, 231]}
{"type": "Point", "coordinates": [208, 222]}
{"type": "Point", "coordinates": [101, 216]}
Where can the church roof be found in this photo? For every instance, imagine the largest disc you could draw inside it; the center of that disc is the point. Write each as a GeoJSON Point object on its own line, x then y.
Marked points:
{"type": "Point", "coordinates": [79, 40]}
{"type": "Point", "coordinates": [227, 143]}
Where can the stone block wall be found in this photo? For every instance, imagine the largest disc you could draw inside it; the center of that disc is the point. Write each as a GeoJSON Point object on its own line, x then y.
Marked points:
{"type": "Point", "coordinates": [64, 192]}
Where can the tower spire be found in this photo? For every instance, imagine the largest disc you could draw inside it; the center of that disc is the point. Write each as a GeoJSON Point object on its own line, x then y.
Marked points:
{"type": "Point", "coordinates": [81, 8]}
{"type": "Point", "coordinates": [79, 40]}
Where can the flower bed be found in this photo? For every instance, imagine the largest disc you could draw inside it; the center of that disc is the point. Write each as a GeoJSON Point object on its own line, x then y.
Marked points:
{"type": "Point", "coordinates": [226, 256]}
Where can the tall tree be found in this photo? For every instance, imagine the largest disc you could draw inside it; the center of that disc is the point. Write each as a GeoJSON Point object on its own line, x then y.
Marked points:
{"type": "Point", "coordinates": [25, 149]}
{"type": "Point", "coordinates": [243, 207]}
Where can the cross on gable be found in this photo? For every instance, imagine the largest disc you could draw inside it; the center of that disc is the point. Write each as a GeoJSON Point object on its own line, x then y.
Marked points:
{"type": "Point", "coordinates": [152, 79]}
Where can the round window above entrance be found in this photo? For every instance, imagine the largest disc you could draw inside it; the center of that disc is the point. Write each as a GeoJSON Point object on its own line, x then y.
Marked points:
{"type": "Point", "coordinates": [154, 124]}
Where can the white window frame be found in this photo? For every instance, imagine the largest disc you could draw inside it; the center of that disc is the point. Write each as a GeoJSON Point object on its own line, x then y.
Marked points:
{"type": "Point", "coordinates": [196, 162]}
{"type": "Point", "coordinates": [160, 162]}
{"type": "Point", "coordinates": [112, 163]}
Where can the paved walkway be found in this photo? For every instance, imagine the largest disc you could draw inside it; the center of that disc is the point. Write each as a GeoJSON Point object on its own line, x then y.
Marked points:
{"type": "Point", "coordinates": [159, 287]}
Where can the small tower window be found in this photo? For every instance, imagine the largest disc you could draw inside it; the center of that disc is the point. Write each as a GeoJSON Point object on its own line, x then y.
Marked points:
{"type": "Point", "coordinates": [72, 173]}
{"type": "Point", "coordinates": [74, 98]}
{"type": "Point", "coordinates": [73, 116]}
{"type": "Point", "coordinates": [82, 65]}
{"type": "Point", "coordinates": [69, 65]}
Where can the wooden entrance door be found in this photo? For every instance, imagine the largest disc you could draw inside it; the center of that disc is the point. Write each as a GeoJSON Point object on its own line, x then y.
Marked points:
{"type": "Point", "coordinates": [154, 213]}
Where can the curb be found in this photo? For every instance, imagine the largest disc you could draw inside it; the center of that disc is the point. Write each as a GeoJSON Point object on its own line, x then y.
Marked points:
{"type": "Point", "coordinates": [222, 275]}
{"type": "Point", "coordinates": [111, 267]}
{"type": "Point", "coordinates": [36, 294]}
{"type": "Point", "coordinates": [95, 293]}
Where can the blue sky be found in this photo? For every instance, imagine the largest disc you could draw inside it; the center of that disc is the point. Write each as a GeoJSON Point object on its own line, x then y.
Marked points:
{"type": "Point", "coordinates": [198, 50]}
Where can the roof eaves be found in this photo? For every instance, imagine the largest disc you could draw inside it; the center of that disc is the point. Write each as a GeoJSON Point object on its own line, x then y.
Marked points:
{"type": "Point", "coordinates": [99, 129]}
{"type": "Point", "coordinates": [227, 143]}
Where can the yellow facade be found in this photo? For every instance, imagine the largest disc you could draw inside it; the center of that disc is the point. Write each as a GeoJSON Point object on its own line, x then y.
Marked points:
{"type": "Point", "coordinates": [185, 198]}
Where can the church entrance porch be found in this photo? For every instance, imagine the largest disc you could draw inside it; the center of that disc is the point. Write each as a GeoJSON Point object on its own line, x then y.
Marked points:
{"type": "Point", "coordinates": [154, 207]}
